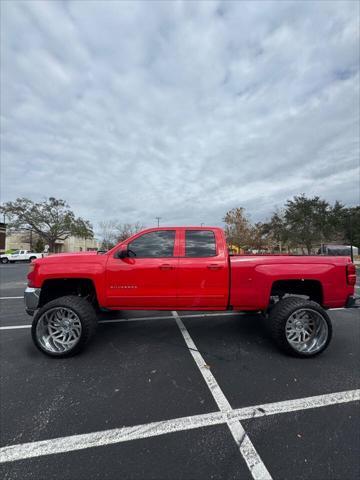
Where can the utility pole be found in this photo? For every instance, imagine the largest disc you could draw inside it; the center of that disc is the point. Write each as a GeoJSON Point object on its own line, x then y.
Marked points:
{"type": "Point", "coordinates": [201, 224]}
{"type": "Point", "coordinates": [158, 220]}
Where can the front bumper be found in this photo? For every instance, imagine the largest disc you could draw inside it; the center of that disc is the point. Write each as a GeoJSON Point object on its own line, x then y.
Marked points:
{"type": "Point", "coordinates": [31, 298]}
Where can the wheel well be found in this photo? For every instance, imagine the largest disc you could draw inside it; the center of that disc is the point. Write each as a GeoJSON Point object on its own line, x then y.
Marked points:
{"type": "Point", "coordinates": [82, 287]}
{"type": "Point", "coordinates": [308, 288]}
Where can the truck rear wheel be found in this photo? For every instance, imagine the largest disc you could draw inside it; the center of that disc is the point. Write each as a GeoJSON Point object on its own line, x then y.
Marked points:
{"type": "Point", "coordinates": [64, 326]}
{"type": "Point", "coordinates": [300, 327]}
{"type": "Point", "coordinates": [4, 260]}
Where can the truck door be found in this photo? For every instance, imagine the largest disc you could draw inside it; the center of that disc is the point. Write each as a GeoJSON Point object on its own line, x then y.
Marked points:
{"type": "Point", "coordinates": [203, 270]}
{"type": "Point", "coordinates": [147, 279]}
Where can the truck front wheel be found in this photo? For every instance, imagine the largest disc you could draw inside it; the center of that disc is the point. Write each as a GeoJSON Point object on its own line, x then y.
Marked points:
{"type": "Point", "coordinates": [64, 326]}
{"type": "Point", "coordinates": [300, 327]}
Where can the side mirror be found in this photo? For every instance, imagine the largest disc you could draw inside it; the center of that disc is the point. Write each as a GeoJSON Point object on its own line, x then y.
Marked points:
{"type": "Point", "coordinates": [122, 253]}
{"type": "Point", "coordinates": [125, 253]}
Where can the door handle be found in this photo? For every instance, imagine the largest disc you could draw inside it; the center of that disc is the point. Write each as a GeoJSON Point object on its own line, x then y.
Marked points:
{"type": "Point", "coordinates": [214, 266]}
{"type": "Point", "coordinates": [166, 266]}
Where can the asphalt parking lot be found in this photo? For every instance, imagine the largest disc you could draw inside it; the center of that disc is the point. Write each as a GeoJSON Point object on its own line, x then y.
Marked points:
{"type": "Point", "coordinates": [176, 395]}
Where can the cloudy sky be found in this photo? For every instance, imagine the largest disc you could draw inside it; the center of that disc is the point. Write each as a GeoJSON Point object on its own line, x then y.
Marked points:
{"type": "Point", "coordinates": [183, 110]}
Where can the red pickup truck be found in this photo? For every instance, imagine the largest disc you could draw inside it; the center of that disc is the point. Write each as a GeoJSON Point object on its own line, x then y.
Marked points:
{"type": "Point", "coordinates": [186, 268]}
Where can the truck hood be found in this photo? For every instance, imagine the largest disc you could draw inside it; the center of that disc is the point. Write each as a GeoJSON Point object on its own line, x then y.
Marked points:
{"type": "Point", "coordinates": [75, 257]}
{"type": "Point", "coordinates": [66, 265]}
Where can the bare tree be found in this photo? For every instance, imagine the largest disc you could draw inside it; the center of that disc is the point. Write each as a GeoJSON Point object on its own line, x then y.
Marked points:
{"type": "Point", "coordinates": [126, 230]}
{"type": "Point", "coordinates": [108, 232]}
{"type": "Point", "coordinates": [237, 228]}
{"type": "Point", "coordinates": [113, 232]}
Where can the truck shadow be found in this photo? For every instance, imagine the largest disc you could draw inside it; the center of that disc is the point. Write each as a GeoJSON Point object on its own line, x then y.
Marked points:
{"type": "Point", "coordinates": [226, 338]}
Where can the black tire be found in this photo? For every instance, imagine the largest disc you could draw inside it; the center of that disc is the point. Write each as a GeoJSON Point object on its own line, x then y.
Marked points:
{"type": "Point", "coordinates": [279, 316]}
{"type": "Point", "coordinates": [31, 259]}
{"type": "Point", "coordinates": [85, 313]}
{"type": "Point", "coordinates": [5, 260]}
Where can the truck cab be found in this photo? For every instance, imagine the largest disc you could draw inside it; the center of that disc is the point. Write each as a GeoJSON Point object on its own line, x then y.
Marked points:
{"type": "Point", "coordinates": [183, 267]}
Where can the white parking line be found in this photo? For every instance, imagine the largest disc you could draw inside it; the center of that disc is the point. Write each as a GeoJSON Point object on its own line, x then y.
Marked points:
{"type": "Point", "coordinates": [11, 298]}
{"type": "Point", "coordinates": [298, 404]}
{"type": "Point", "coordinates": [70, 443]}
{"type": "Point", "coordinates": [139, 319]}
{"type": "Point", "coordinates": [247, 449]}
{"type": "Point", "coordinates": [15, 327]}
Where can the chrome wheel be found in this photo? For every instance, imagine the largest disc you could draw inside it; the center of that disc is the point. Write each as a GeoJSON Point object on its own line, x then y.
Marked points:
{"type": "Point", "coordinates": [306, 330]}
{"type": "Point", "coordinates": [58, 330]}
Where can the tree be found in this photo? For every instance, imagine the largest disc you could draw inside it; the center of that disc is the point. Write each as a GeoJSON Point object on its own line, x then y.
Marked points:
{"type": "Point", "coordinates": [275, 231]}
{"type": "Point", "coordinates": [237, 228]}
{"type": "Point", "coordinates": [126, 230]}
{"type": "Point", "coordinates": [39, 245]}
{"type": "Point", "coordinates": [108, 230]}
{"type": "Point", "coordinates": [303, 222]}
{"type": "Point", "coordinates": [337, 222]}
{"type": "Point", "coordinates": [51, 219]}
{"type": "Point", "coordinates": [352, 225]}
{"type": "Point", "coordinates": [113, 232]}
{"type": "Point", "coordinates": [345, 224]}
{"type": "Point", "coordinates": [258, 238]}
{"type": "Point", "coordinates": [307, 221]}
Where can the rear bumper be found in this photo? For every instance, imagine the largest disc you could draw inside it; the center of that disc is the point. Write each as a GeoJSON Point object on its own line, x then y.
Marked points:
{"type": "Point", "coordinates": [352, 302]}
{"type": "Point", "coordinates": [31, 298]}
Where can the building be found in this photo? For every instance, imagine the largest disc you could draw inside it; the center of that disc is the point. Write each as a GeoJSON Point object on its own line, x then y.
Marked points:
{"type": "Point", "coordinates": [77, 244]}
{"type": "Point", "coordinates": [26, 240]}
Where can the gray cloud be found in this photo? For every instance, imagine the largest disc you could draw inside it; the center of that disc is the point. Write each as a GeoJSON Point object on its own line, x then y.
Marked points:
{"type": "Point", "coordinates": [179, 109]}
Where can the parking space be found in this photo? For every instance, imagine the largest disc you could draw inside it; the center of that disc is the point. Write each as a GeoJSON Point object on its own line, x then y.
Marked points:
{"type": "Point", "coordinates": [311, 444]}
{"type": "Point", "coordinates": [176, 395]}
{"type": "Point", "coordinates": [131, 374]}
{"type": "Point", "coordinates": [250, 369]}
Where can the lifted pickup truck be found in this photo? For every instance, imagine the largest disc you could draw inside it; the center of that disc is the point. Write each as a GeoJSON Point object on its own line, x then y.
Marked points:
{"type": "Point", "coordinates": [186, 268]}
{"type": "Point", "coordinates": [20, 256]}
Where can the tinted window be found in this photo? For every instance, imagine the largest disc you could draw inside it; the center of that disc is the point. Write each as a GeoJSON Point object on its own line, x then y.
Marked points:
{"type": "Point", "coordinates": [200, 243]}
{"type": "Point", "coordinates": [154, 244]}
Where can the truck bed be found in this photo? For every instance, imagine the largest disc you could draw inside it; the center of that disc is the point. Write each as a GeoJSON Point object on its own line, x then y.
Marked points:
{"type": "Point", "coordinates": [252, 278]}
